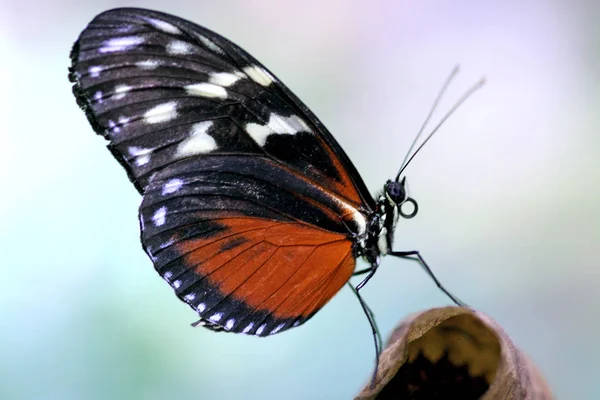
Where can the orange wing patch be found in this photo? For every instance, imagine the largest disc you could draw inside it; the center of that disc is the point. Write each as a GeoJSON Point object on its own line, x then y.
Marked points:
{"type": "Point", "coordinates": [287, 269]}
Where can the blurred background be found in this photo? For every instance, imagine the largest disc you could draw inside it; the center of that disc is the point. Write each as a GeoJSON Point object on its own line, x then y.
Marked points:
{"type": "Point", "coordinates": [509, 194]}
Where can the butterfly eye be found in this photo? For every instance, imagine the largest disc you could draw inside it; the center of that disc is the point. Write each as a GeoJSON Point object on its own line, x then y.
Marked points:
{"type": "Point", "coordinates": [396, 191]}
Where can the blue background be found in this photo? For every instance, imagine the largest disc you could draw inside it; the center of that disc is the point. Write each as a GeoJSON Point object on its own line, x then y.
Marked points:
{"type": "Point", "coordinates": [508, 192]}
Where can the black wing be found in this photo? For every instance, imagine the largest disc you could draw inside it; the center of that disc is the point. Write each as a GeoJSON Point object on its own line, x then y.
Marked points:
{"type": "Point", "coordinates": [141, 74]}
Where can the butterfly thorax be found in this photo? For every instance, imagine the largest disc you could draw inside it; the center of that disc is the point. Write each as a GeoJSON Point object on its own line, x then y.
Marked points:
{"type": "Point", "coordinates": [381, 223]}
{"type": "Point", "coordinates": [379, 235]}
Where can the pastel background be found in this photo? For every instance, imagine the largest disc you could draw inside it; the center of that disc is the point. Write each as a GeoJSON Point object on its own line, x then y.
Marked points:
{"type": "Point", "coordinates": [509, 195]}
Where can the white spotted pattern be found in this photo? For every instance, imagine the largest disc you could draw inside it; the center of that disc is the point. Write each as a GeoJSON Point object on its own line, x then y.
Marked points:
{"type": "Point", "coordinates": [168, 275]}
{"type": "Point", "coordinates": [123, 120]}
{"type": "Point", "coordinates": [95, 71]}
{"type": "Point", "coordinates": [113, 126]}
{"type": "Point", "coordinates": [259, 75]}
{"type": "Point", "coordinates": [172, 186]}
{"type": "Point", "coordinates": [277, 329]}
{"type": "Point", "coordinates": [177, 284]}
{"type": "Point", "coordinates": [159, 216]}
{"type": "Point", "coordinates": [225, 79]}
{"type": "Point", "coordinates": [168, 243]}
{"type": "Point", "coordinates": [190, 297]}
{"type": "Point", "coordinates": [216, 317]}
{"type": "Point", "coordinates": [198, 142]}
{"type": "Point", "coordinates": [201, 307]}
{"type": "Point", "coordinates": [230, 324]}
{"type": "Point", "coordinates": [121, 44]}
{"type": "Point", "coordinates": [248, 328]}
{"type": "Point", "coordinates": [261, 329]}
{"type": "Point", "coordinates": [161, 113]}
{"type": "Point", "coordinates": [98, 96]}
{"type": "Point", "coordinates": [164, 26]}
{"type": "Point", "coordinates": [148, 64]}
{"type": "Point", "coordinates": [206, 90]}
{"type": "Point", "coordinates": [121, 91]}
{"type": "Point", "coordinates": [210, 44]}
{"type": "Point", "coordinates": [142, 160]}
{"type": "Point", "coordinates": [277, 125]}
{"type": "Point", "coordinates": [179, 47]}
{"type": "Point", "coordinates": [142, 156]}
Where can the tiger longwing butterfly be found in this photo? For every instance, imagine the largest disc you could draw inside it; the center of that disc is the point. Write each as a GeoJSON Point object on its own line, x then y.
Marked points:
{"type": "Point", "coordinates": [251, 210]}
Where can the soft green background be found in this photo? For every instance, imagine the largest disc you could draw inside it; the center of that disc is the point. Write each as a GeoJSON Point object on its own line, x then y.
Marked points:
{"type": "Point", "coordinates": [509, 194]}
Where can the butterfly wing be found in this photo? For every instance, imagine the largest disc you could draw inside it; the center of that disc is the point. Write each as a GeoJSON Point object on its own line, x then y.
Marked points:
{"type": "Point", "coordinates": [250, 207]}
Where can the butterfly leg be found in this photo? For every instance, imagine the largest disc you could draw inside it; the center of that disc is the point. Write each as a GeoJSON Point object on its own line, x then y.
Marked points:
{"type": "Point", "coordinates": [416, 256]}
{"type": "Point", "coordinates": [370, 317]}
{"type": "Point", "coordinates": [368, 309]}
{"type": "Point", "coordinates": [362, 271]}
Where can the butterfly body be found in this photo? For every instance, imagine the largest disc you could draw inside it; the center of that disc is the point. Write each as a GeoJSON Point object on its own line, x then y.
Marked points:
{"type": "Point", "coordinates": [250, 209]}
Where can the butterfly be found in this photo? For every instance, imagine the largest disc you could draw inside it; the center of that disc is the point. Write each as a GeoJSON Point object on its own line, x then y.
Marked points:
{"type": "Point", "coordinates": [251, 210]}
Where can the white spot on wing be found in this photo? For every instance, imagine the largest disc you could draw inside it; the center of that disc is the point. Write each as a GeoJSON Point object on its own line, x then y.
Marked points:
{"type": "Point", "coordinates": [259, 132]}
{"type": "Point", "coordinates": [230, 324]}
{"type": "Point", "coordinates": [121, 43]}
{"type": "Point", "coordinates": [177, 284]}
{"type": "Point", "coordinates": [142, 156]}
{"type": "Point", "coordinates": [296, 323]}
{"type": "Point", "coordinates": [290, 125]}
{"type": "Point", "coordinates": [148, 64]}
{"type": "Point", "coordinates": [201, 307]}
{"type": "Point", "coordinates": [190, 297]}
{"type": "Point", "coordinates": [210, 44]}
{"type": "Point", "coordinates": [225, 79]}
{"type": "Point", "coordinates": [261, 329]}
{"type": "Point", "coordinates": [216, 317]}
{"type": "Point", "coordinates": [113, 126]}
{"type": "Point", "coordinates": [179, 47]}
{"type": "Point", "coordinates": [159, 216]}
{"type": "Point", "coordinates": [161, 113]}
{"type": "Point", "coordinates": [277, 124]}
{"type": "Point", "coordinates": [259, 75]}
{"type": "Point", "coordinates": [121, 91]}
{"type": "Point", "coordinates": [98, 96]}
{"type": "Point", "coordinates": [277, 329]}
{"type": "Point", "coordinates": [164, 26]}
{"type": "Point", "coordinates": [206, 90]}
{"type": "Point", "coordinates": [166, 244]}
{"type": "Point", "coordinates": [95, 71]}
{"type": "Point", "coordinates": [168, 275]}
{"type": "Point", "coordinates": [172, 186]}
{"type": "Point", "coordinates": [142, 160]}
{"type": "Point", "coordinates": [248, 328]}
{"type": "Point", "coordinates": [198, 142]}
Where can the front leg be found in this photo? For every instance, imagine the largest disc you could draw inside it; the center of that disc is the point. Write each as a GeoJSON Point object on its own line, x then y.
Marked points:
{"type": "Point", "coordinates": [369, 314]}
{"type": "Point", "coordinates": [362, 271]}
{"type": "Point", "coordinates": [416, 256]}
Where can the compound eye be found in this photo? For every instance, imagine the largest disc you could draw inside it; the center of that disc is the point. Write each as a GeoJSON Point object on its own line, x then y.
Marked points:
{"type": "Point", "coordinates": [396, 192]}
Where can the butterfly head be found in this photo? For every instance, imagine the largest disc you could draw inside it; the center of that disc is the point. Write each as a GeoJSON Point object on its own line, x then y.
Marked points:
{"type": "Point", "coordinates": [396, 194]}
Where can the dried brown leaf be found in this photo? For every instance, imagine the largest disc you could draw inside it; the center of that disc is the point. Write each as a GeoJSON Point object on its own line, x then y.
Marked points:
{"type": "Point", "coordinates": [457, 351]}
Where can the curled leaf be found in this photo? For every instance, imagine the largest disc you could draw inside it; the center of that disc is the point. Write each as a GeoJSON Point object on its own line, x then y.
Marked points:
{"type": "Point", "coordinates": [454, 352]}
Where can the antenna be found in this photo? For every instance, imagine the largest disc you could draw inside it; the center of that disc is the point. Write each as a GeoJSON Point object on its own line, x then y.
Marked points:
{"type": "Point", "coordinates": [431, 111]}
{"type": "Point", "coordinates": [464, 97]}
